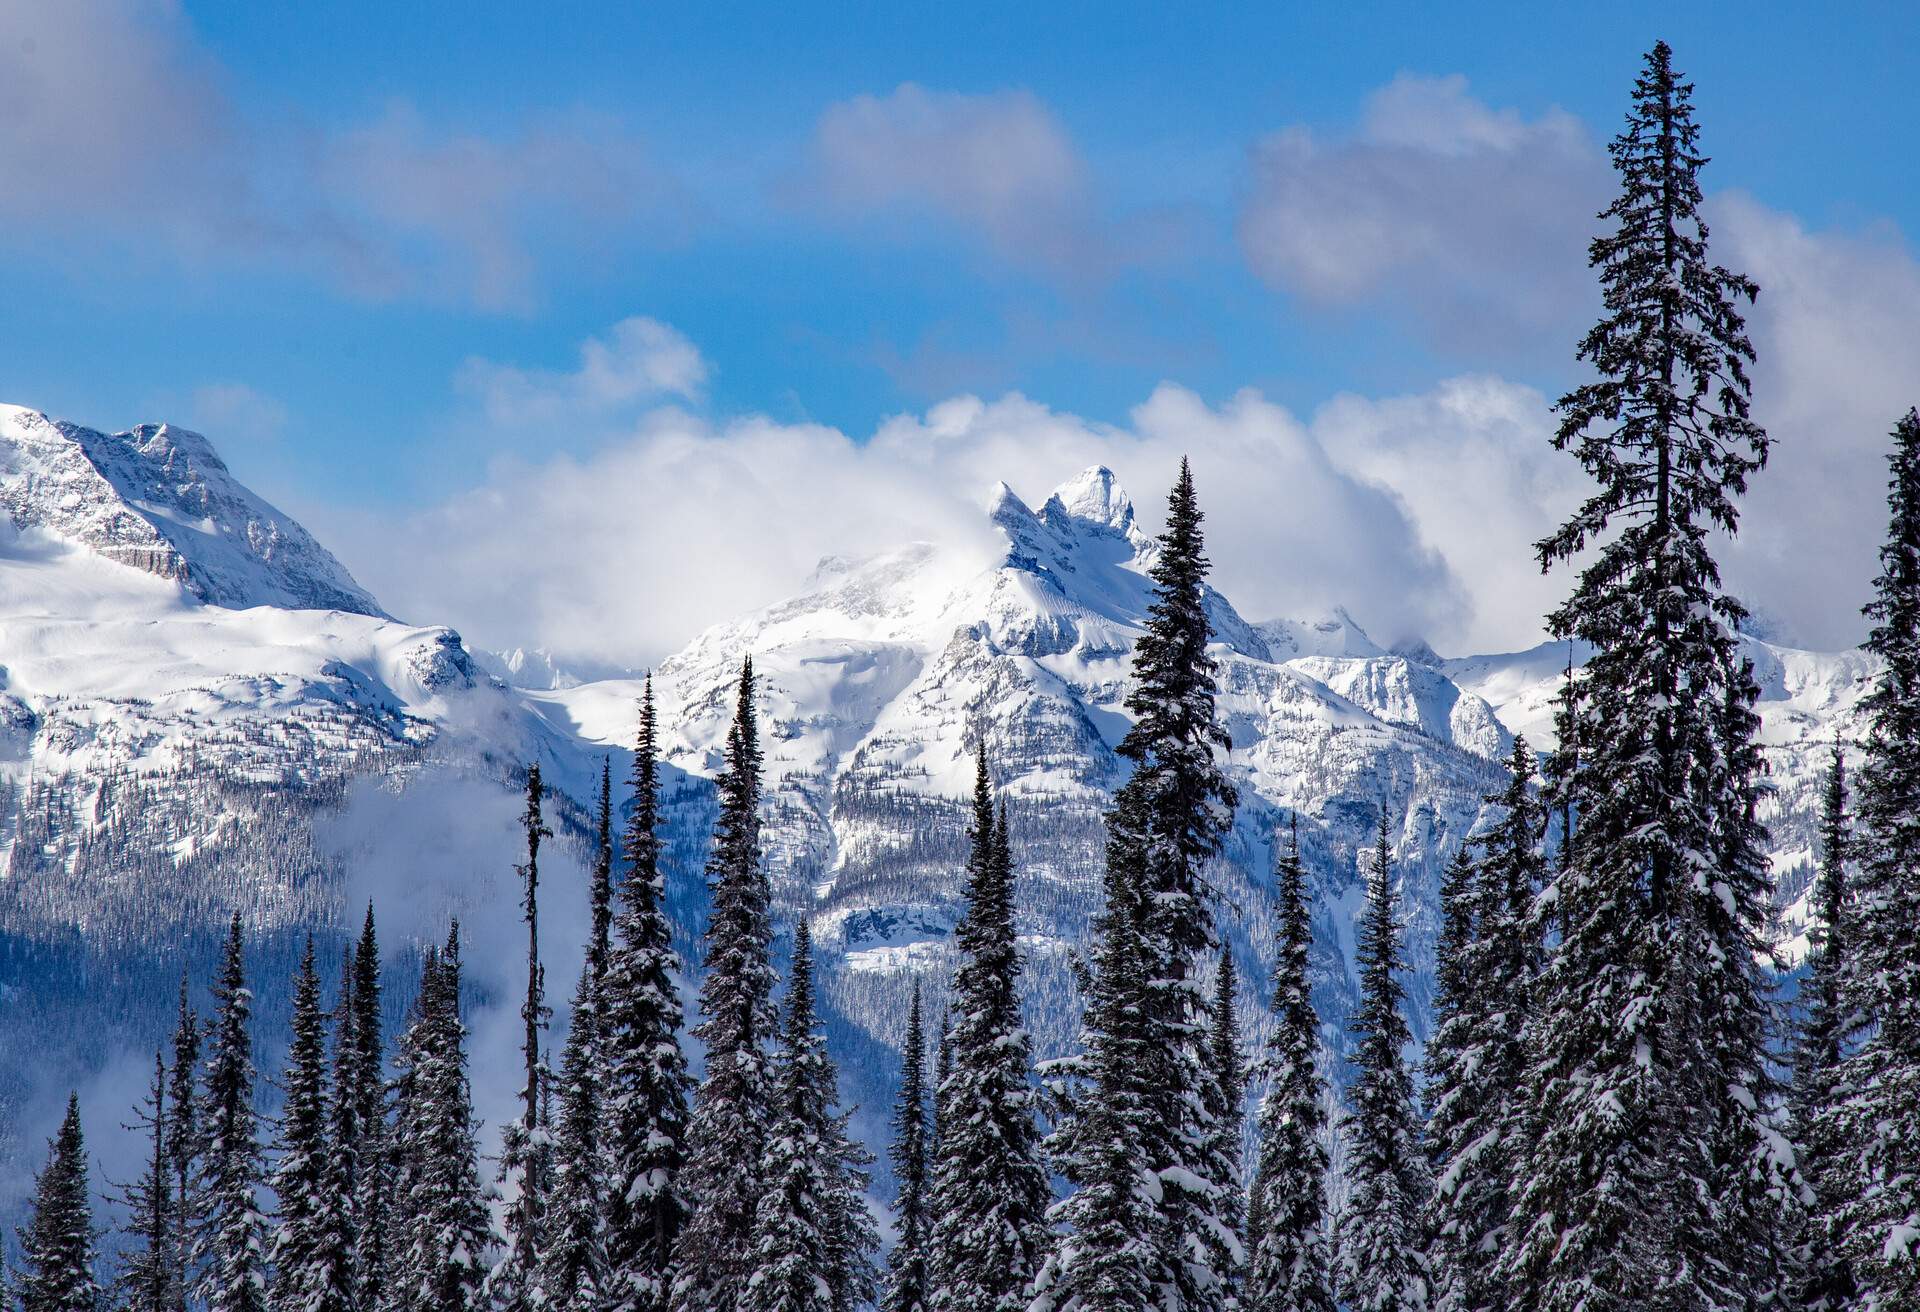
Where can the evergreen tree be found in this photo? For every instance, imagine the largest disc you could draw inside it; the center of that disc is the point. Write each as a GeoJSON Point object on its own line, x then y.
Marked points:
{"type": "Point", "coordinates": [811, 1242]}
{"type": "Point", "coordinates": [942, 1068]}
{"type": "Point", "coordinates": [908, 1288]}
{"type": "Point", "coordinates": [150, 1266]}
{"type": "Point", "coordinates": [1166, 822]}
{"type": "Point", "coordinates": [1106, 1255]}
{"type": "Point", "coordinates": [233, 1231]}
{"type": "Point", "coordinates": [525, 1150]}
{"type": "Point", "coordinates": [1379, 1247]}
{"type": "Point", "coordinates": [1288, 1268]}
{"type": "Point", "coordinates": [1476, 1061]}
{"type": "Point", "coordinates": [990, 1190]}
{"type": "Point", "coordinates": [1230, 1088]}
{"type": "Point", "coordinates": [1879, 1219]}
{"type": "Point", "coordinates": [1820, 1096]}
{"type": "Point", "coordinates": [311, 1252]}
{"type": "Point", "coordinates": [646, 1071]}
{"type": "Point", "coordinates": [732, 1109]}
{"type": "Point", "coordinates": [1650, 1180]}
{"type": "Point", "coordinates": [184, 1141]}
{"type": "Point", "coordinates": [57, 1245]}
{"type": "Point", "coordinates": [574, 1271]}
{"type": "Point", "coordinates": [361, 1136]}
{"type": "Point", "coordinates": [443, 1220]}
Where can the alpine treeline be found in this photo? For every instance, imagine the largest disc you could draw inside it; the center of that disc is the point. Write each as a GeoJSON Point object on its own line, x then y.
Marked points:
{"type": "Point", "coordinates": [1616, 1110]}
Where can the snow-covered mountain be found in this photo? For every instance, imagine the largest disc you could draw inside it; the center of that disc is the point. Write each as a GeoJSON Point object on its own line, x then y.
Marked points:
{"type": "Point", "coordinates": [198, 702]}
{"type": "Point", "coordinates": [158, 498]}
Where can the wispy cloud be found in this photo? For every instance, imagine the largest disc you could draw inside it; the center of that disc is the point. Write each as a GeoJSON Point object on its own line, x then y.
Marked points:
{"type": "Point", "coordinates": [1472, 220]}
{"type": "Point", "coordinates": [639, 360]}
{"type": "Point", "coordinates": [116, 123]}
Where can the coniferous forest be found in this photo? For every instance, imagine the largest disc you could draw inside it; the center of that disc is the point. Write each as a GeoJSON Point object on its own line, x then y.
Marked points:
{"type": "Point", "coordinates": [1625, 1105]}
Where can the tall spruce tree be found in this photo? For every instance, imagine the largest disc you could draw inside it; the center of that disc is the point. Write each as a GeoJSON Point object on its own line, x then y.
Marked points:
{"type": "Point", "coordinates": [1476, 1061]}
{"type": "Point", "coordinates": [56, 1247]}
{"type": "Point", "coordinates": [645, 1069]}
{"type": "Point", "coordinates": [908, 1285]}
{"type": "Point", "coordinates": [812, 1241]}
{"type": "Point", "coordinates": [360, 1121]}
{"type": "Point", "coordinates": [1106, 1253]}
{"type": "Point", "coordinates": [574, 1272]}
{"type": "Point", "coordinates": [233, 1231]}
{"type": "Point", "coordinates": [1288, 1266]}
{"type": "Point", "coordinates": [1379, 1234]}
{"type": "Point", "coordinates": [1167, 821]}
{"type": "Point", "coordinates": [443, 1223]}
{"type": "Point", "coordinates": [990, 1190]}
{"type": "Point", "coordinates": [311, 1252]}
{"type": "Point", "coordinates": [1822, 1042]}
{"type": "Point", "coordinates": [526, 1157]}
{"type": "Point", "coordinates": [150, 1266]}
{"type": "Point", "coordinates": [184, 1131]}
{"type": "Point", "coordinates": [1879, 1220]}
{"type": "Point", "coordinates": [1230, 1090]}
{"type": "Point", "coordinates": [732, 1109]}
{"type": "Point", "coordinates": [1650, 1180]}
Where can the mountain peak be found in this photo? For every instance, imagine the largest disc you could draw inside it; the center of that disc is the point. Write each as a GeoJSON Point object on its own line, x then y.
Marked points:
{"type": "Point", "coordinates": [1093, 496]}
{"type": "Point", "coordinates": [159, 498]}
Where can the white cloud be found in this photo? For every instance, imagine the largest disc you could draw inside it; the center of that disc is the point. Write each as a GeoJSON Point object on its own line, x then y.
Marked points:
{"type": "Point", "coordinates": [998, 164]}
{"type": "Point", "coordinates": [116, 123]}
{"type": "Point", "coordinates": [640, 359]}
{"type": "Point", "coordinates": [678, 521]}
{"type": "Point", "coordinates": [1473, 220]}
{"type": "Point", "coordinates": [1835, 329]}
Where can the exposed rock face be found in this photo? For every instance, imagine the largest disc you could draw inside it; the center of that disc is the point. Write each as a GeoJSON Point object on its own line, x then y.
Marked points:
{"type": "Point", "coordinates": [159, 499]}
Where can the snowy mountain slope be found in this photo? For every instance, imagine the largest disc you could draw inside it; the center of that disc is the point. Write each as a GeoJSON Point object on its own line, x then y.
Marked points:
{"type": "Point", "coordinates": [192, 713]}
{"type": "Point", "coordinates": [159, 499]}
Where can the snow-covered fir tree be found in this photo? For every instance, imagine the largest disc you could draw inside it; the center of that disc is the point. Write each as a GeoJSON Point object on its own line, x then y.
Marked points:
{"type": "Point", "coordinates": [990, 1191]}
{"type": "Point", "coordinates": [1288, 1265]}
{"type": "Point", "coordinates": [732, 1108]}
{"type": "Point", "coordinates": [645, 1080]}
{"type": "Point", "coordinates": [361, 1142]}
{"type": "Point", "coordinates": [573, 1271]}
{"type": "Point", "coordinates": [233, 1232]}
{"type": "Point", "coordinates": [1476, 1060]}
{"type": "Point", "coordinates": [526, 1157]}
{"type": "Point", "coordinates": [1166, 822]}
{"type": "Point", "coordinates": [1230, 1088]}
{"type": "Point", "coordinates": [1106, 1252]}
{"type": "Point", "coordinates": [183, 1143]}
{"type": "Point", "coordinates": [443, 1225]}
{"type": "Point", "coordinates": [150, 1267]}
{"type": "Point", "coordinates": [1650, 1178]}
{"type": "Point", "coordinates": [811, 1244]}
{"type": "Point", "coordinates": [311, 1253]}
{"type": "Point", "coordinates": [1380, 1267]}
{"type": "Point", "coordinates": [908, 1288]}
{"type": "Point", "coordinates": [1822, 1041]}
{"type": "Point", "coordinates": [56, 1248]}
{"type": "Point", "coordinates": [1879, 1211]}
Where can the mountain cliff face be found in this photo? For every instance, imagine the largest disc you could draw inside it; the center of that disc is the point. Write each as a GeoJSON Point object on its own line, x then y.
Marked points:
{"type": "Point", "coordinates": [200, 709]}
{"type": "Point", "coordinates": [159, 499]}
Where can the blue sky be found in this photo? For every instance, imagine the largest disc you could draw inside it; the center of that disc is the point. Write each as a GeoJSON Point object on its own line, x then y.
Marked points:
{"type": "Point", "coordinates": [364, 247]}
